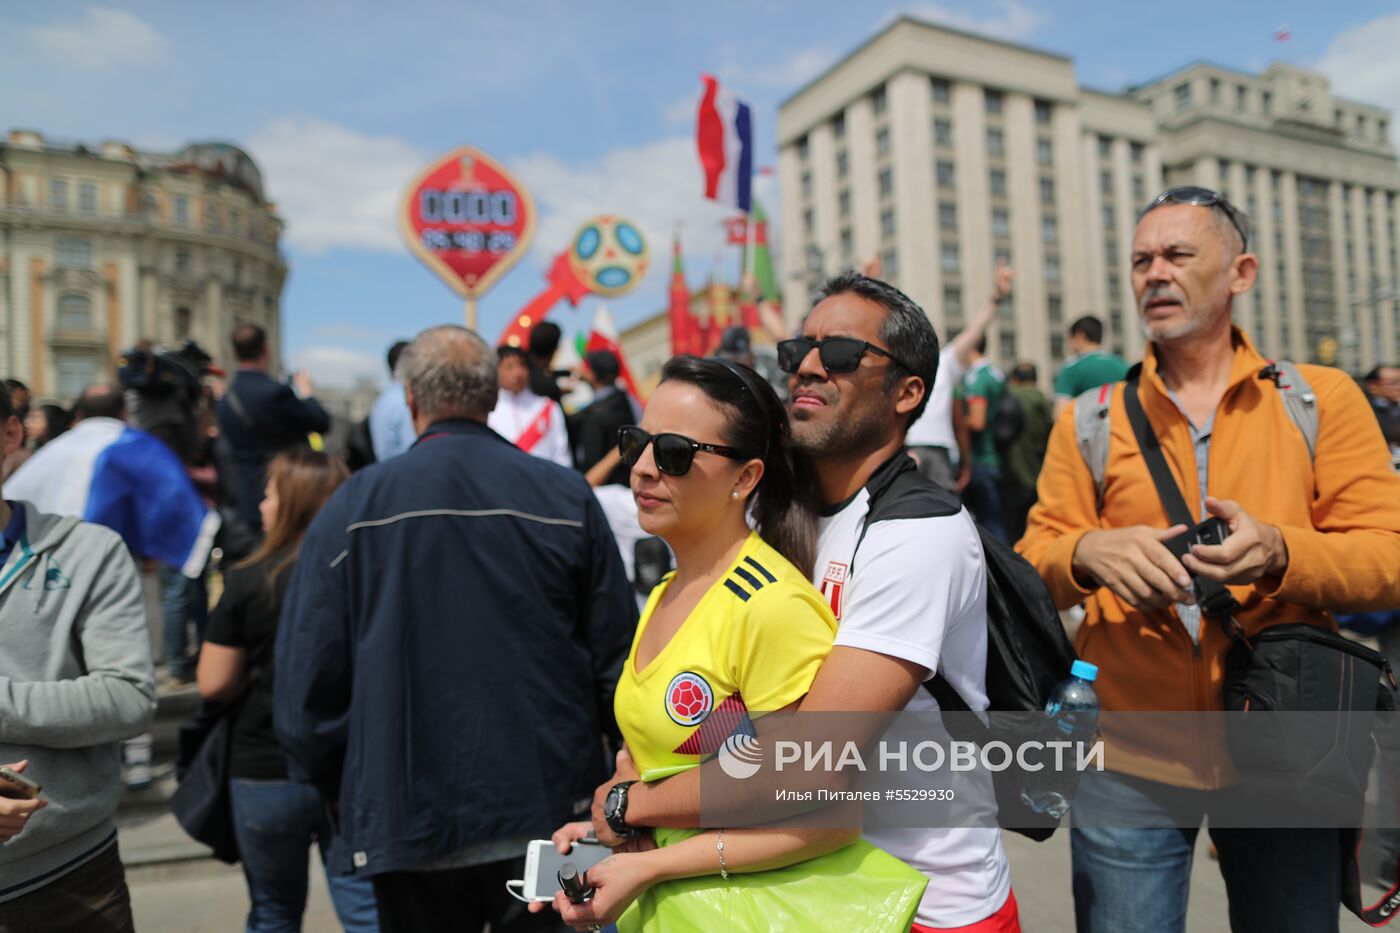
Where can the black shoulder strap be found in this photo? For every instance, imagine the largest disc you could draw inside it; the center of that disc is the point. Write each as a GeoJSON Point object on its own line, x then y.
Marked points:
{"type": "Point", "coordinates": [1215, 598]}
{"type": "Point", "coordinates": [236, 404]}
{"type": "Point", "coordinates": [949, 700]}
{"type": "Point", "coordinates": [1178, 512]}
{"type": "Point", "coordinates": [897, 491]}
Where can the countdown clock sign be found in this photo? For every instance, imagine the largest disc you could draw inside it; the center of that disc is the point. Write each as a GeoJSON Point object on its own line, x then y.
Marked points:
{"type": "Point", "coordinates": [469, 220]}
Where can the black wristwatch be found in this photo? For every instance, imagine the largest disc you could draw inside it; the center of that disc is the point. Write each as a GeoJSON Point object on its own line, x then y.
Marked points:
{"type": "Point", "coordinates": [615, 809]}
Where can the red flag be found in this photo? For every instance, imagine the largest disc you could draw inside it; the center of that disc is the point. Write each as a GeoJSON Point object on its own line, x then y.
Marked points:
{"type": "Point", "coordinates": [736, 231]}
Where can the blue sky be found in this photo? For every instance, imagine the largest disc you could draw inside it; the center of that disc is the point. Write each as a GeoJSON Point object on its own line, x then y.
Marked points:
{"type": "Point", "coordinates": [592, 105]}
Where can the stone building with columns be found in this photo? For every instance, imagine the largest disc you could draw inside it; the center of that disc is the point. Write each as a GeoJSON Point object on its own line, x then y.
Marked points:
{"type": "Point", "coordinates": [944, 152]}
{"type": "Point", "coordinates": [102, 246]}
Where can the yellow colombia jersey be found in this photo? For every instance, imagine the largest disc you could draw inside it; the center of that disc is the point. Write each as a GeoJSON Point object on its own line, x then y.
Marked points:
{"type": "Point", "coordinates": [754, 642]}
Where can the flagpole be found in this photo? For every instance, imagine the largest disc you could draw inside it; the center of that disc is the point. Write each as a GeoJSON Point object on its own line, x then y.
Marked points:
{"type": "Point", "coordinates": [750, 242]}
{"type": "Point", "coordinates": [470, 313]}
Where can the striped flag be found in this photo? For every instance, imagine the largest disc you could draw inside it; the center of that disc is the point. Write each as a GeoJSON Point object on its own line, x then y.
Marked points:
{"type": "Point", "coordinates": [724, 137]}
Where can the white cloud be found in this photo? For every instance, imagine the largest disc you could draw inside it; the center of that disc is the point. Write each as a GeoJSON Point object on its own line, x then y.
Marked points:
{"type": "Point", "coordinates": [338, 188]}
{"type": "Point", "coordinates": [1001, 19]}
{"type": "Point", "coordinates": [788, 75]}
{"type": "Point", "coordinates": [656, 185]}
{"type": "Point", "coordinates": [335, 187]}
{"type": "Point", "coordinates": [1362, 64]}
{"type": "Point", "coordinates": [682, 111]}
{"type": "Point", "coordinates": [101, 38]}
{"type": "Point", "coordinates": [337, 367]}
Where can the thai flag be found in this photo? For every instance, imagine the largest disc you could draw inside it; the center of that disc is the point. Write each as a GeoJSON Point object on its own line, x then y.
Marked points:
{"type": "Point", "coordinates": [724, 136]}
{"type": "Point", "coordinates": [107, 473]}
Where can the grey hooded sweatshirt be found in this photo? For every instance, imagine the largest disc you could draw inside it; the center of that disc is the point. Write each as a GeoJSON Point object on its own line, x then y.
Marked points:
{"type": "Point", "coordinates": [75, 679]}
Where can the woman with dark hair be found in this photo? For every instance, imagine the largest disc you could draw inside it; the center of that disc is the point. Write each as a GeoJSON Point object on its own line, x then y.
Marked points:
{"type": "Point", "coordinates": [275, 818]}
{"type": "Point", "coordinates": [736, 630]}
{"type": "Point", "coordinates": [44, 423]}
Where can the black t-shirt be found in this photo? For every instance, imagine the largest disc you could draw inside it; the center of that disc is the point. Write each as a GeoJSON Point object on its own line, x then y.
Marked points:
{"type": "Point", "coordinates": [246, 617]}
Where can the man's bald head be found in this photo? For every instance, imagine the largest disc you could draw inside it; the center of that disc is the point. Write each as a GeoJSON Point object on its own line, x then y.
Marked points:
{"type": "Point", "coordinates": [100, 401]}
{"type": "Point", "coordinates": [450, 372]}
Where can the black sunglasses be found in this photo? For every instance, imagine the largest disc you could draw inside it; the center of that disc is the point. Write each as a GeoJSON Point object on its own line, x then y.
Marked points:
{"type": "Point", "coordinates": [837, 354]}
{"type": "Point", "coordinates": [673, 453]}
{"type": "Point", "coordinates": [1201, 197]}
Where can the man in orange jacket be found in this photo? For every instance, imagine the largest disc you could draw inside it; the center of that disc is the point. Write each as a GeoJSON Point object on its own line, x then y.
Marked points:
{"type": "Point", "coordinates": [1309, 534]}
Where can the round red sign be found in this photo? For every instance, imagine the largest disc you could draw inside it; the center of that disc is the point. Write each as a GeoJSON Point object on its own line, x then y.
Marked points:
{"type": "Point", "coordinates": [467, 219]}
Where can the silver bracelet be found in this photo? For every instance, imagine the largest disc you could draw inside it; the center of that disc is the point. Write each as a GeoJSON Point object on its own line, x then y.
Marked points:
{"type": "Point", "coordinates": [719, 847]}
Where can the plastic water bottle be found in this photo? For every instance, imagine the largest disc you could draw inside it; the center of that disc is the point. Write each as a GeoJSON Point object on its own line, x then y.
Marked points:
{"type": "Point", "coordinates": [1073, 708]}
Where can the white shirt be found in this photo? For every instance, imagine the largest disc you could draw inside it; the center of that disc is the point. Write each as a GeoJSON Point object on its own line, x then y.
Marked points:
{"type": "Point", "coordinates": [515, 412]}
{"type": "Point", "coordinates": [935, 426]}
{"type": "Point", "coordinates": [918, 591]}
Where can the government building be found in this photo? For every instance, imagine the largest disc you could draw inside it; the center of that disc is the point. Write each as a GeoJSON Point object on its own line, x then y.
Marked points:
{"type": "Point", "coordinates": [944, 152]}
{"type": "Point", "coordinates": [106, 245]}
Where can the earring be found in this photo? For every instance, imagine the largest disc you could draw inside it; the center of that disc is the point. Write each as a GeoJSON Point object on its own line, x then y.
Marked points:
{"type": "Point", "coordinates": [734, 494]}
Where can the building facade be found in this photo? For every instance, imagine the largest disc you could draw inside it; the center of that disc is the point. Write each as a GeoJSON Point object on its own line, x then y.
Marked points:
{"type": "Point", "coordinates": [946, 153]}
{"type": "Point", "coordinates": [102, 247]}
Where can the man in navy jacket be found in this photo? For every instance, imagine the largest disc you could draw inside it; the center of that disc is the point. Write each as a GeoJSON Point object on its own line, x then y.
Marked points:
{"type": "Point", "coordinates": [261, 417]}
{"type": "Point", "coordinates": [447, 654]}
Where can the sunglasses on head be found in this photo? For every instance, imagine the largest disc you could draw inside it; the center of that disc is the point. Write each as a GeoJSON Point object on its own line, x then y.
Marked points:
{"type": "Point", "coordinates": [673, 453]}
{"type": "Point", "coordinates": [837, 354]}
{"type": "Point", "coordinates": [1201, 197]}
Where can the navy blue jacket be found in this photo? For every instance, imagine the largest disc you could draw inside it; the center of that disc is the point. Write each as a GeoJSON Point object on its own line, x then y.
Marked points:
{"type": "Point", "coordinates": [448, 650]}
{"type": "Point", "coordinates": [268, 419]}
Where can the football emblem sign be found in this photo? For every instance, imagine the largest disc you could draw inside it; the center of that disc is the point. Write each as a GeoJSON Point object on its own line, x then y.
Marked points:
{"type": "Point", "coordinates": [609, 256]}
{"type": "Point", "coordinates": [468, 219]}
{"type": "Point", "coordinates": [689, 699]}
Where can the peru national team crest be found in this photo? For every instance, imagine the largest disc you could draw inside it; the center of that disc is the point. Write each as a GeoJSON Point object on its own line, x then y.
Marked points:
{"type": "Point", "coordinates": [689, 699]}
{"type": "Point", "coordinates": [834, 585]}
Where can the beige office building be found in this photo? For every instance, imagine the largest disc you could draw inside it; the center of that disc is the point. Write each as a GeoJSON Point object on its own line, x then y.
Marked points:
{"type": "Point", "coordinates": [944, 152]}
{"type": "Point", "coordinates": [103, 246]}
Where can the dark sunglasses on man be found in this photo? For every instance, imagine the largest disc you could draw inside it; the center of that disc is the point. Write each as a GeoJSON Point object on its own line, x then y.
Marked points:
{"type": "Point", "coordinates": [673, 453]}
{"type": "Point", "coordinates": [1197, 196]}
{"type": "Point", "coordinates": [837, 354]}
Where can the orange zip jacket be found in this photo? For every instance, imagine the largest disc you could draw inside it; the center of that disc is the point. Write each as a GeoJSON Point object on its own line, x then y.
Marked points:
{"type": "Point", "coordinates": [1339, 513]}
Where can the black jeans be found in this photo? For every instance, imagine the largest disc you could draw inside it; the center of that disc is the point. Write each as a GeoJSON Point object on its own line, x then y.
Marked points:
{"type": "Point", "coordinates": [458, 899]}
{"type": "Point", "coordinates": [91, 898]}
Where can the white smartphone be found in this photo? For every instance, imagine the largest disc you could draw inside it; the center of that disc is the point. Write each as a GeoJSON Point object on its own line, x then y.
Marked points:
{"type": "Point", "coordinates": [543, 861]}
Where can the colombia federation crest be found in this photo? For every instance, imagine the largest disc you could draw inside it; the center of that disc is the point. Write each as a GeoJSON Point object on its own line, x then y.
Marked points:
{"type": "Point", "coordinates": [689, 699]}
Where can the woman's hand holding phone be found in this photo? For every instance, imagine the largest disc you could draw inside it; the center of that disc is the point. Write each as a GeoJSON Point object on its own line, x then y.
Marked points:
{"type": "Point", "coordinates": [623, 882]}
{"type": "Point", "coordinates": [17, 803]}
{"type": "Point", "coordinates": [617, 881]}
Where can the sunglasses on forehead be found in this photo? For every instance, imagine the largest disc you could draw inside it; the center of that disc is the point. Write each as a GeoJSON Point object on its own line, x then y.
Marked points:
{"type": "Point", "coordinates": [673, 453]}
{"type": "Point", "coordinates": [837, 354]}
{"type": "Point", "coordinates": [1201, 197]}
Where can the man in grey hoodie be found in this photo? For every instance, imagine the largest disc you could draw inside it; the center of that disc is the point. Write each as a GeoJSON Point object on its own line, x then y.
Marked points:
{"type": "Point", "coordinates": [75, 679]}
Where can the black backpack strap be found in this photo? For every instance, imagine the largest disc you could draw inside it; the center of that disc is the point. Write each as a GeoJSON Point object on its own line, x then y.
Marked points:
{"type": "Point", "coordinates": [1215, 598]}
{"type": "Point", "coordinates": [897, 491]}
{"type": "Point", "coordinates": [949, 700]}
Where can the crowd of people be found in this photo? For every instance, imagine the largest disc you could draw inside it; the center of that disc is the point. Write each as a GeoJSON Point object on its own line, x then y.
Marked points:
{"type": "Point", "coordinates": [476, 632]}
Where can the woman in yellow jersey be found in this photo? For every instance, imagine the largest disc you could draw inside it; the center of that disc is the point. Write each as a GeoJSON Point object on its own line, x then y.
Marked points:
{"type": "Point", "coordinates": [735, 632]}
